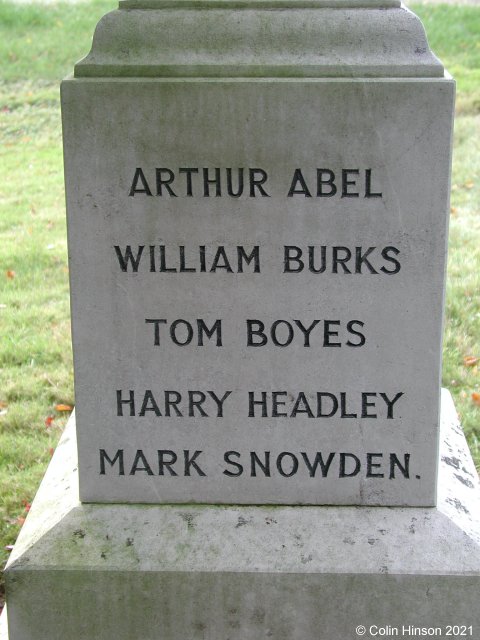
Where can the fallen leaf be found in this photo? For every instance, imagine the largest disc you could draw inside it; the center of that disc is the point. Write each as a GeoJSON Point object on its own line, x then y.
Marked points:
{"type": "Point", "coordinates": [476, 398]}
{"type": "Point", "coordinates": [453, 211]}
{"type": "Point", "coordinates": [10, 274]}
{"type": "Point", "coordinates": [51, 451]}
{"type": "Point", "coordinates": [469, 185]}
{"type": "Point", "coordinates": [3, 405]}
{"type": "Point", "coordinates": [27, 505]}
{"type": "Point", "coordinates": [20, 520]}
{"type": "Point", "coordinates": [470, 361]}
{"type": "Point", "coordinates": [49, 420]}
{"type": "Point", "coordinates": [63, 407]}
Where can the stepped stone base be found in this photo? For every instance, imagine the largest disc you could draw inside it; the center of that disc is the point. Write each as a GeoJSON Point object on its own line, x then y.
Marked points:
{"type": "Point", "coordinates": [184, 572]}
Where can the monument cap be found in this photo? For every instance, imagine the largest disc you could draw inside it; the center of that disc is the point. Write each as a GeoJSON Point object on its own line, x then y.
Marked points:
{"type": "Point", "coordinates": [259, 39]}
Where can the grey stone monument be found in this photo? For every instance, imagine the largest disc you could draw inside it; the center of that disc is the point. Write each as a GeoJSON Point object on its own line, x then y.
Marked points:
{"type": "Point", "coordinates": [257, 200]}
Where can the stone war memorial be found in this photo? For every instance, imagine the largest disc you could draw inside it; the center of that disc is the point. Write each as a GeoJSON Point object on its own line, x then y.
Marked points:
{"type": "Point", "coordinates": [257, 202]}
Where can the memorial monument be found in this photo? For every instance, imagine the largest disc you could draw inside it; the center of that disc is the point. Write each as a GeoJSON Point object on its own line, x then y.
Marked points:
{"type": "Point", "coordinates": [257, 201]}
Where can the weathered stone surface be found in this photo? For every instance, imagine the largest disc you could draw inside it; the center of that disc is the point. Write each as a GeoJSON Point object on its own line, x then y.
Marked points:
{"type": "Point", "coordinates": [267, 38]}
{"type": "Point", "coordinates": [354, 174]}
{"type": "Point", "coordinates": [189, 571]}
{"type": "Point", "coordinates": [4, 625]}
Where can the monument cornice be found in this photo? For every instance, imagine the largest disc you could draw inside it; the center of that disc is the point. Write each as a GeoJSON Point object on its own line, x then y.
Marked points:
{"type": "Point", "coordinates": [260, 39]}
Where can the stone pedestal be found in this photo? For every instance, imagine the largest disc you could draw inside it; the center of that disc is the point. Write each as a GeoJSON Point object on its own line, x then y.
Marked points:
{"type": "Point", "coordinates": [257, 199]}
{"type": "Point", "coordinates": [104, 572]}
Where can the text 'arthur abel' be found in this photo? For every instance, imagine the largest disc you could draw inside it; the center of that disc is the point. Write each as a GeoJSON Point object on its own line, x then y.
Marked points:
{"type": "Point", "coordinates": [251, 182]}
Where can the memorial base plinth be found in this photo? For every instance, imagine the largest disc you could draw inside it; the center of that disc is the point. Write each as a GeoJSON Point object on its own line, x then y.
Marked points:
{"type": "Point", "coordinates": [141, 572]}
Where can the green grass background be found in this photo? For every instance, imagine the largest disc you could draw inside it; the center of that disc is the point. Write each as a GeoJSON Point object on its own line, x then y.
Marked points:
{"type": "Point", "coordinates": [38, 46]}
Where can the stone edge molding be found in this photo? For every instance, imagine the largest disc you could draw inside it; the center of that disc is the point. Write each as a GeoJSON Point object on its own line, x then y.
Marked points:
{"type": "Point", "coordinates": [260, 39]}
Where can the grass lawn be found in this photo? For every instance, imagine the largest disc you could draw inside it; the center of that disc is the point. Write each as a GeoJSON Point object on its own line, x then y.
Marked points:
{"type": "Point", "coordinates": [38, 45]}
